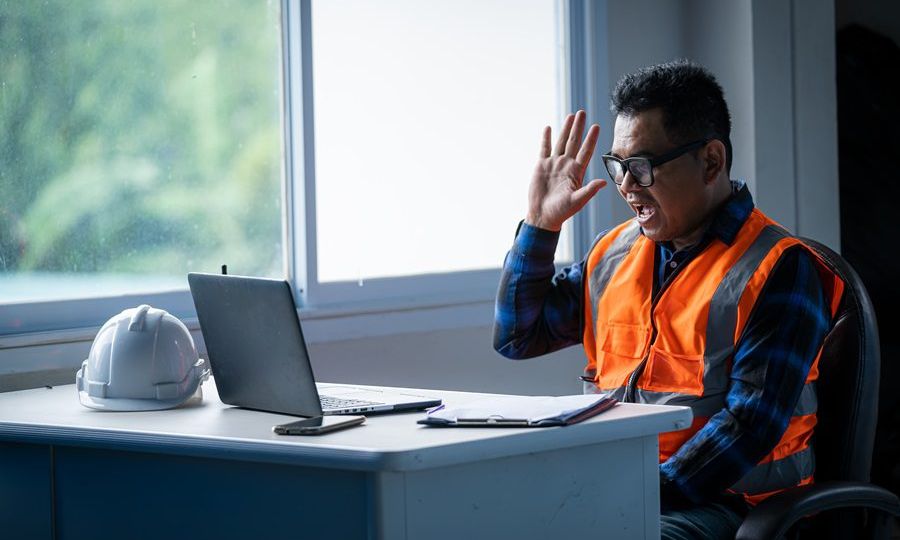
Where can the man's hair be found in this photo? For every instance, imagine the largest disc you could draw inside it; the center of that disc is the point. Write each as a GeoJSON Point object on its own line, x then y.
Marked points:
{"type": "Point", "coordinates": [692, 102]}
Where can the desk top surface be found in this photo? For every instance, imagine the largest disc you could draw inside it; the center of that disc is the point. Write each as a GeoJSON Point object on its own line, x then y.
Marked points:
{"type": "Point", "coordinates": [391, 442]}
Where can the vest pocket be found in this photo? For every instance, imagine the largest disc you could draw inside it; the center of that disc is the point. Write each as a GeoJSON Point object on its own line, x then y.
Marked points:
{"type": "Point", "coordinates": [671, 372]}
{"type": "Point", "coordinates": [619, 352]}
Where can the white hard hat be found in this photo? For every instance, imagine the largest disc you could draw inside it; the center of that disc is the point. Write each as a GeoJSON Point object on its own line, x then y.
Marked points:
{"type": "Point", "coordinates": [142, 359]}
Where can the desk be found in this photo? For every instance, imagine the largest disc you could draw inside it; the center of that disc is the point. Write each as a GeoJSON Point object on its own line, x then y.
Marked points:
{"type": "Point", "coordinates": [214, 471]}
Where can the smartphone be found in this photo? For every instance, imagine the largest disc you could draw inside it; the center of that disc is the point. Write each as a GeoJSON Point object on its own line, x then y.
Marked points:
{"type": "Point", "coordinates": [318, 425]}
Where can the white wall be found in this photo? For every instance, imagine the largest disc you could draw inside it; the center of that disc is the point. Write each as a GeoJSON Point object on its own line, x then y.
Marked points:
{"type": "Point", "coordinates": [461, 358]}
{"type": "Point", "coordinates": [775, 61]}
{"type": "Point", "coordinates": [718, 36]}
{"type": "Point", "coordinates": [640, 33]}
{"type": "Point", "coordinates": [815, 122]}
{"type": "Point", "coordinates": [458, 358]}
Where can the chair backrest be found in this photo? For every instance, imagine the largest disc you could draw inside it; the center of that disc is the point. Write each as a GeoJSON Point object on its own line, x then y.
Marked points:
{"type": "Point", "coordinates": [848, 381]}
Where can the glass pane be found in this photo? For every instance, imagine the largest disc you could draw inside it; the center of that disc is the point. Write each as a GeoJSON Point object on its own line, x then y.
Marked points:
{"type": "Point", "coordinates": [428, 120]}
{"type": "Point", "coordinates": [141, 140]}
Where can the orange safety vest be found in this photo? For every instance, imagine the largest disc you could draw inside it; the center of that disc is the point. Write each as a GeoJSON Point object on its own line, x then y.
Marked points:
{"type": "Point", "coordinates": [686, 339]}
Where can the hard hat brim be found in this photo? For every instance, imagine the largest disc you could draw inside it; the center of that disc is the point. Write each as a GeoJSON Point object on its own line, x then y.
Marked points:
{"type": "Point", "coordinates": [132, 405]}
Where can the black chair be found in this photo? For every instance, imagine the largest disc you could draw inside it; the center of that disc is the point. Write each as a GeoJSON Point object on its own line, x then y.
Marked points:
{"type": "Point", "coordinates": [842, 503]}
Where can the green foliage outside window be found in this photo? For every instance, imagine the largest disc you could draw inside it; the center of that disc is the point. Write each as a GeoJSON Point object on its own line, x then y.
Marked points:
{"type": "Point", "coordinates": [140, 137]}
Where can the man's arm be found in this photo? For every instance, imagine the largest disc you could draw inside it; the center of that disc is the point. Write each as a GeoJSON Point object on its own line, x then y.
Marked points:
{"type": "Point", "coordinates": [536, 312]}
{"type": "Point", "coordinates": [771, 362]}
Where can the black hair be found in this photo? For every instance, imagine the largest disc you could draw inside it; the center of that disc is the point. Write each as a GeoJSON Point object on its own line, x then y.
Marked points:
{"type": "Point", "coordinates": [692, 102]}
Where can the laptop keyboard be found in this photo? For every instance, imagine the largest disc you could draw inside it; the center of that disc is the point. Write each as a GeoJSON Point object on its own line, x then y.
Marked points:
{"type": "Point", "coordinates": [331, 402]}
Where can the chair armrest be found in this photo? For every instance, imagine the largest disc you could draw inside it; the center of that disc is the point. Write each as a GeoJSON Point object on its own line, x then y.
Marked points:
{"type": "Point", "coordinates": [772, 518]}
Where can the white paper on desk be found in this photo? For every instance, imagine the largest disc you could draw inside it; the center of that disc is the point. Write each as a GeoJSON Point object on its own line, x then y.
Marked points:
{"type": "Point", "coordinates": [525, 408]}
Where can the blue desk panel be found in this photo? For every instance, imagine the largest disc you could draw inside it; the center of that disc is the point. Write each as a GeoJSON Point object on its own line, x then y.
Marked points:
{"type": "Point", "coordinates": [25, 491]}
{"type": "Point", "coordinates": [111, 495]}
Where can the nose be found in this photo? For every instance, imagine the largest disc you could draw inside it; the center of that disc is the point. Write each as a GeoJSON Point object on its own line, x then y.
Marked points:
{"type": "Point", "coordinates": [629, 183]}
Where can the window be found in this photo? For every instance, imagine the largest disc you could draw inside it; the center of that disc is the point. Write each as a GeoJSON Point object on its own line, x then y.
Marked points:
{"type": "Point", "coordinates": [141, 140]}
{"type": "Point", "coordinates": [147, 139]}
{"type": "Point", "coordinates": [427, 123]}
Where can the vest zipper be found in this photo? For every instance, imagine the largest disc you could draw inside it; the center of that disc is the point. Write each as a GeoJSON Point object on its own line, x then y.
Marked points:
{"type": "Point", "coordinates": [632, 379]}
{"type": "Point", "coordinates": [630, 385]}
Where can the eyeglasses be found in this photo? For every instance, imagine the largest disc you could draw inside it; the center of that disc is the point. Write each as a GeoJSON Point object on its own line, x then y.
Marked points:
{"type": "Point", "coordinates": [641, 168]}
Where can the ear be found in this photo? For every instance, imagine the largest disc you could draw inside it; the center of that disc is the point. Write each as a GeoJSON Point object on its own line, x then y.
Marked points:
{"type": "Point", "coordinates": [713, 160]}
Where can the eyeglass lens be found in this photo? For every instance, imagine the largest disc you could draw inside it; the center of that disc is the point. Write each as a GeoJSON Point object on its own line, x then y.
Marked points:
{"type": "Point", "coordinates": [640, 169]}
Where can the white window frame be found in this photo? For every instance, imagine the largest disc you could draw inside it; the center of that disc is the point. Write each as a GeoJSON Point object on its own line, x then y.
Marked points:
{"type": "Point", "coordinates": [397, 302]}
{"type": "Point", "coordinates": [587, 65]}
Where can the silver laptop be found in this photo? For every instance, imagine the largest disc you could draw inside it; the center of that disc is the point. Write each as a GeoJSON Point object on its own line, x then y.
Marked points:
{"type": "Point", "coordinates": [259, 357]}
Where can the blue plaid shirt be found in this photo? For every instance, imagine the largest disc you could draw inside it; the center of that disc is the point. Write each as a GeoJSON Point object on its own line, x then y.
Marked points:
{"type": "Point", "coordinates": [539, 310]}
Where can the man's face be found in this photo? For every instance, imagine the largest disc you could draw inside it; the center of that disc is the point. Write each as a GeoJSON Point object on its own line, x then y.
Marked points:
{"type": "Point", "coordinates": [675, 207]}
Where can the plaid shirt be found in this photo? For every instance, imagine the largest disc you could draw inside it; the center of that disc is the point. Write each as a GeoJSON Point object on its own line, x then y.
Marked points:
{"type": "Point", "coordinates": [539, 311]}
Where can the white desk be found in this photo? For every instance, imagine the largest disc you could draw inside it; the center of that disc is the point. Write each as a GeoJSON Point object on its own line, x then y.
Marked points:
{"type": "Point", "coordinates": [213, 471]}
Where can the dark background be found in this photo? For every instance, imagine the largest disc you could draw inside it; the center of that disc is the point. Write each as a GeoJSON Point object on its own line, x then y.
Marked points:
{"type": "Point", "coordinates": [868, 90]}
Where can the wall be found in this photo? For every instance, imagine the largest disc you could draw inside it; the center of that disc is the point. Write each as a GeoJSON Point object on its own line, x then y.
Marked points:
{"type": "Point", "coordinates": [458, 358]}
{"type": "Point", "coordinates": [461, 358]}
{"type": "Point", "coordinates": [775, 62]}
{"type": "Point", "coordinates": [659, 36]}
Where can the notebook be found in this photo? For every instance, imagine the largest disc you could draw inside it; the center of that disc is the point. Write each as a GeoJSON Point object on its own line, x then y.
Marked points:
{"type": "Point", "coordinates": [520, 411]}
{"type": "Point", "coordinates": [259, 357]}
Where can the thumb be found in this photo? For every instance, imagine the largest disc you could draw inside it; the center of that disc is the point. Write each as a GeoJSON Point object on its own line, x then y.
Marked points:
{"type": "Point", "coordinates": [585, 193]}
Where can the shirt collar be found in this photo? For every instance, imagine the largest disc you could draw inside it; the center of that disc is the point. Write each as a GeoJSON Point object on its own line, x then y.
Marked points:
{"type": "Point", "coordinates": [733, 214]}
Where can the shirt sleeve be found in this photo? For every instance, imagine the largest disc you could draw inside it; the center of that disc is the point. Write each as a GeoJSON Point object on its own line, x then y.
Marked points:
{"type": "Point", "coordinates": [536, 312]}
{"type": "Point", "coordinates": [771, 362]}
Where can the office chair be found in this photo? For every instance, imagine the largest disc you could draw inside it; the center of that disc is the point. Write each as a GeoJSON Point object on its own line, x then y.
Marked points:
{"type": "Point", "coordinates": [841, 503]}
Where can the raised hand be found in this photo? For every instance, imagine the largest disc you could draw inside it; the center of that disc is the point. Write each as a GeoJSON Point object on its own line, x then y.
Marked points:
{"type": "Point", "coordinates": [557, 192]}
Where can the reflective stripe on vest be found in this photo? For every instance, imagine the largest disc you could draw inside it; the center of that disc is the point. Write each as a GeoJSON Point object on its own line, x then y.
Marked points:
{"type": "Point", "coordinates": [778, 474]}
{"type": "Point", "coordinates": [809, 401]}
{"type": "Point", "coordinates": [720, 328]}
{"type": "Point", "coordinates": [686, 363]}
{"type": "Point", "coordinates": [602, 273]}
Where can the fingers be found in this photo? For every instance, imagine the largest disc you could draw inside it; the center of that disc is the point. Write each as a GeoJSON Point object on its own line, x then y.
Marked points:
{"type": "Point", "coordinates": [582, 195]}
{"type": "Point", "coordinates": [545, 143]}
{"type": "Point", "coordinates": [587, 147]}
{"type": "Point", "coordinates": [564, 135]}
{"type": "Point", "coordinates": [569, 137]}
{"type": "Point", "coordinates": [575, 134]}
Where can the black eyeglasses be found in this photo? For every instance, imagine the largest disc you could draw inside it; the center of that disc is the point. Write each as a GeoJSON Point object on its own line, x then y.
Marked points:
{"type": "Point", "coordinates": [641, 168]}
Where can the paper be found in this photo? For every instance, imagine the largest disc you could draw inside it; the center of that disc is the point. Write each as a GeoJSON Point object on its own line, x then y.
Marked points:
{"type": "Point", "coordinates": [520, 410]}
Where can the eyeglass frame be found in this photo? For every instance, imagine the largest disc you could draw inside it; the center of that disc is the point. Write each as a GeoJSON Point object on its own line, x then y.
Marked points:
{"type": "Point", "coordinates": [654, 162]}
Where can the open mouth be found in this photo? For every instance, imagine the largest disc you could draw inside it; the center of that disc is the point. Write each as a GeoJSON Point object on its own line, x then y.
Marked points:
{"type": "Point", "coordinates": [643, 211]}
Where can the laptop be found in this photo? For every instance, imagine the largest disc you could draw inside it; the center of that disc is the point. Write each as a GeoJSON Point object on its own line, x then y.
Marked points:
{"type": "Point", "coordinates": [259, 357]}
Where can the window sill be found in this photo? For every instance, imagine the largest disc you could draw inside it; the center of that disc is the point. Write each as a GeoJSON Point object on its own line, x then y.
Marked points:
{"type": "Point", "coordinates": [326, 323]}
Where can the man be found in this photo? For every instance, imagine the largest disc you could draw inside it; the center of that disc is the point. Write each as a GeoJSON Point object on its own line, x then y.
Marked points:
{"type": "Point", "coordinates": [699, 300]}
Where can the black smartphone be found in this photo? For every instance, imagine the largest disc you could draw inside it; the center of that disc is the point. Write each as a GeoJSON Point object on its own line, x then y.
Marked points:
{"type": "Point", "coordinates": [318, 425]}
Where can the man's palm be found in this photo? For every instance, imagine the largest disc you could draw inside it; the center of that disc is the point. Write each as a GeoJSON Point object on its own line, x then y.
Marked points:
{"type": "Point", "coordinates": [557, 191]}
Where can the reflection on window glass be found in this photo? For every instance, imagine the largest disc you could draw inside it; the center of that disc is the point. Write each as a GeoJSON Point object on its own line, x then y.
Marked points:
{"type": "Point", "coordinates": [140, 140]}
{"type": "Point", "coordinates": [428, 120]}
